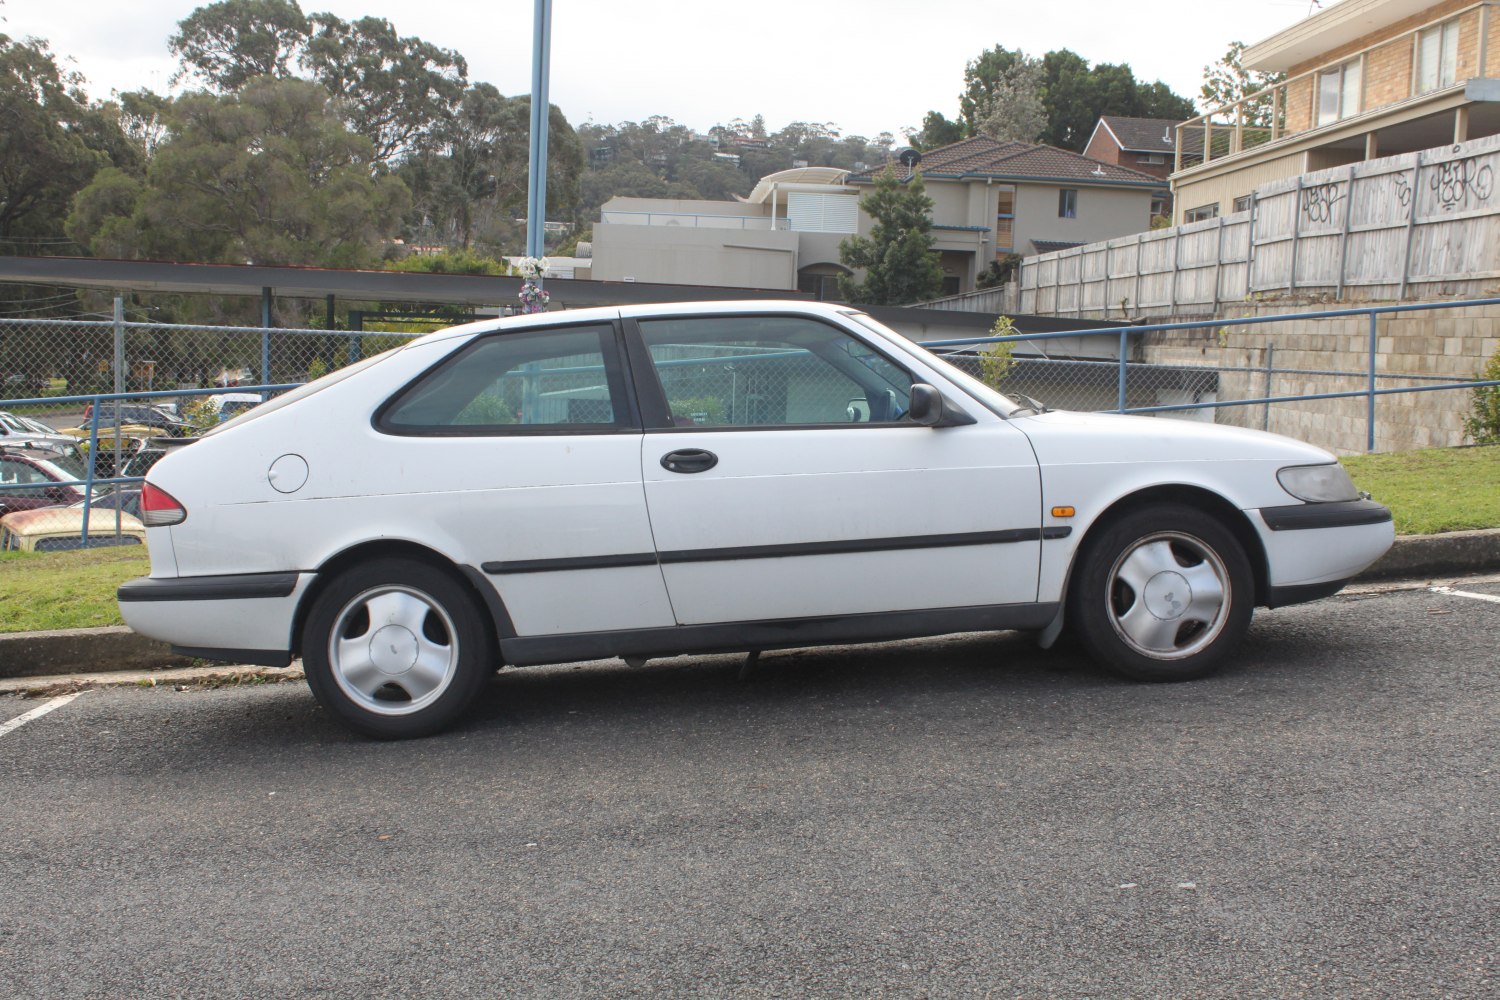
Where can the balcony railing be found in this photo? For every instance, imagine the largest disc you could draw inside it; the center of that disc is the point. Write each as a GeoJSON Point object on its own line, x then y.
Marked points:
{"type": "Point", "coordinates": [692, 221]}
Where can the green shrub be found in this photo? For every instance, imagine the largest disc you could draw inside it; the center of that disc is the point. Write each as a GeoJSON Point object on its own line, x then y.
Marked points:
{"type": "Point", "coordinates": [1483, 424]}
{"type": "Point", "coordinates": [998, 360]}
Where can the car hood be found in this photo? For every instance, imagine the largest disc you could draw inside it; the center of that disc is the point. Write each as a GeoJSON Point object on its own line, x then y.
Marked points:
{"type": "Point", "coordinates": [1069, 436]}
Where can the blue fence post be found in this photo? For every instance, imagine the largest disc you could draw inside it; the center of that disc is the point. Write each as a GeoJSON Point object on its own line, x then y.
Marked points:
{"type": "Point", "coordinates": [265, 337]}
{"type": "Point", "coordinates": [88, 472]}
{"type": "Point", "coordinates": [1370, 406]}
{"type": "Point", "coordinates": [1124, 348]}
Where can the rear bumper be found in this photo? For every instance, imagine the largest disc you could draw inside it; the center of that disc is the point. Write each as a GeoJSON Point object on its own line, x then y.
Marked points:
{"type": "Point", "coordinates": [245, 618]}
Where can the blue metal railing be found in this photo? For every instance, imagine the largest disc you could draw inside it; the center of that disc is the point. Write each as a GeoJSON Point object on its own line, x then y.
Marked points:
{"type": "Point", "coordinates": [1370, 392]}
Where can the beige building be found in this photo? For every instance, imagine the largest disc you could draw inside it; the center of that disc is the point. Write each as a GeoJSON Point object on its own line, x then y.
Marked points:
{"type": "Point", "coordinates": [989, 198]}
{"type": "Point", "coordinates": [1364, 79]}
{"type": "Point", "coordinates": [785, 234]}
{"type": "Point", "coordinates": [993, 198]}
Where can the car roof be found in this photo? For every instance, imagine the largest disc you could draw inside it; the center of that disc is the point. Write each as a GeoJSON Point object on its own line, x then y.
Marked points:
{"type": "Point", "coordinates": [605, 314]}
{"type": "Point", "coordinates": [30, 454]}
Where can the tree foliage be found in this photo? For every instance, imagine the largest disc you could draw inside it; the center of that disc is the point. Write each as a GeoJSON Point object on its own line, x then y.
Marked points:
{"type": "Point", "coordinates": [936, 131]}
{"type": "Point", "coordinates": [1227, 81]}
{"type": "Point", "coordinates": [897, 259]}
{"type": "Point", "coordinates": [471, 188]}
{"type": "Point", "coordinates": [227, 44]}
{"type": "Point", "coordinates": [1074, 94]}
{"type": "Point", "coordinates": [397, 92]}
{"type": "Point", "coordinates": [1483, 422]}
{"type": "Point", "coordinates": [52, 142]}
{"type": "Point", "coordinates": [1013, 110]}
{"type": "Point", "coordinates": [659, 158]}
{"type": "Point", "coordinates": [267, 174]}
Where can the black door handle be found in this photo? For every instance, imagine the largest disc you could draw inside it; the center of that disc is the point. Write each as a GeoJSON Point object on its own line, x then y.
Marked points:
{"type": "Point", "coordinates": [689, 460]}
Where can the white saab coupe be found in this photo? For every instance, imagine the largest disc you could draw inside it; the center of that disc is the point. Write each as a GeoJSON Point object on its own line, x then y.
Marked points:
{"type": "Point", "coordinates": [657, 480]}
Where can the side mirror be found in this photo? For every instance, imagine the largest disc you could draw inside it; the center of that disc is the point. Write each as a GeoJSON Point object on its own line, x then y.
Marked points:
{"type": "Point", "coordinates": [926, 405]}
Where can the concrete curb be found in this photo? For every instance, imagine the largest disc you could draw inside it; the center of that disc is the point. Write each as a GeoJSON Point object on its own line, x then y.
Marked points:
{"type": "Point", "coordinates": [116, 648]}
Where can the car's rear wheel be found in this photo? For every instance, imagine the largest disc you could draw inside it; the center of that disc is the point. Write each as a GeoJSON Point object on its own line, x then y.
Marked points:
{"type": "Point", "coordinates": [395, 648]}
{"type": "Point", "coordinates": [1162, 594]}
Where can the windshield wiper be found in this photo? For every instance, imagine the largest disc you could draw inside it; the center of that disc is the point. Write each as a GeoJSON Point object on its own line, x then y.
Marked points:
{"type": "Point", "coordinates": [1031, 403]}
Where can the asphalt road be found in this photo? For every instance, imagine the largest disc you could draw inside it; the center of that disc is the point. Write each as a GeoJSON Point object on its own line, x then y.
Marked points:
{"type": "Point", "coordinates": [964, 817]}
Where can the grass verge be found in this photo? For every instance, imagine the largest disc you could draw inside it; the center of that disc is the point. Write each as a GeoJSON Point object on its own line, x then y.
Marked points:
{"type": "Point", "coordinates": [1432, 491]}
{"type": "Point", "coordinates": [50, 590]}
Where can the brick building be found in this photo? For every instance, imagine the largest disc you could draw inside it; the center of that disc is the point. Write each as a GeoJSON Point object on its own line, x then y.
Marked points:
{"type": "Point", "coordinates": [1363, 79]}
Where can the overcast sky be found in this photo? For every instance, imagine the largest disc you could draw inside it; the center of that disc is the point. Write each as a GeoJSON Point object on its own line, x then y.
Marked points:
{"type": "Point", "coordinates": [867, 66]}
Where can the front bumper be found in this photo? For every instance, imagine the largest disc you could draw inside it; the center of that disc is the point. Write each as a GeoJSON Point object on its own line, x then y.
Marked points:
{"type": "Point", "coordinates": [245, 618]}
{"type": "Point", "coordinates": [1314, 549]}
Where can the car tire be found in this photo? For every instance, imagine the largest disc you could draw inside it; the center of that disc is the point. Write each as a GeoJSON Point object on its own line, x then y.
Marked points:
{"type": "Point", "coordinates": [396, 648]}
{"type": "Point", "coordinates": [1162, 594]}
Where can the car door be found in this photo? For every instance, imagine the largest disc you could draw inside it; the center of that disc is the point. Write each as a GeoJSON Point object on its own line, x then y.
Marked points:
{"type": "Point", "coordinates": [525, 447]}
{"type": "Point", "coordinates": [782, 481]}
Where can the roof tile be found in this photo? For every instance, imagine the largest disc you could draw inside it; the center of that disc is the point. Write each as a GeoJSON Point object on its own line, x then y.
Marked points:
{"type": "Point", "coordinates": [982, 156]}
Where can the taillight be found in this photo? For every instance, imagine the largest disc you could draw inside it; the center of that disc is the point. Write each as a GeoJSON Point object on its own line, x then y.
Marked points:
{"type": "Point", "coordinates": [159, 508]}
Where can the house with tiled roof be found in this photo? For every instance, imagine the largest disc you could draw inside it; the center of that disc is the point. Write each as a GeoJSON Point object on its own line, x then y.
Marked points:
{"type": "Point", "coordinates": [1145, 144]}
{"type": "Point", "coordinates": [992, 198]}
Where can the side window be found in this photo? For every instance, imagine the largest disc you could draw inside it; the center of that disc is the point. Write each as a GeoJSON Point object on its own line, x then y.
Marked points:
{"type": "Point", "coordinates": [546, 380]}
{"type": "Point", "coordinates": [21, 474]}
{"type": "Point", "coordinates": [768, 371]}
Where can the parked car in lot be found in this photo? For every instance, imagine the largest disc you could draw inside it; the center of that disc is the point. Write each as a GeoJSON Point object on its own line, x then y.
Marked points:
{"type": "Point", "coordinates": [656, 480]}
{"type": "Point", "coordinates": [36, 477]}
{"type": "Point", "coordinates": [138, 414]}
{"type": "Point", "coordinates": [56, 529]}
{"type": "Point", "coordinates": [20, 431]}
{"type": "Point", "coordinates": [232, 404]}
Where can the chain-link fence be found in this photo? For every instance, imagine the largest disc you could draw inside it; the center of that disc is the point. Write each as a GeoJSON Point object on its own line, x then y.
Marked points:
{"type": "Point", "coordinates": [1387, 382]}
{"type": "Point", "coordinates": [70, 470]}
{"type": "Point", "coordinates": [155, 381]}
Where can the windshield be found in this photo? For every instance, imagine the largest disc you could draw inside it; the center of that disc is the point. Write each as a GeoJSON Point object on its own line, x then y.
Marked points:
{"type": "Point", "coordinates": [37, 425]}
{"type": "Point", "coordinates": [996, 402]}
{"type": "Point", "coordinates": [69, 462]}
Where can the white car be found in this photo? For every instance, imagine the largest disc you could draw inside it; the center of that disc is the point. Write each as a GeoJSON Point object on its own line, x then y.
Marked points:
{"type": "Point", "coordinates": [656, 480]}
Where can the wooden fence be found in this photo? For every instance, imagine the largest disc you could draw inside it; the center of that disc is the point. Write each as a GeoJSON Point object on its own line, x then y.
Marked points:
{"type": "Point", "coordinates": [1413, 226]}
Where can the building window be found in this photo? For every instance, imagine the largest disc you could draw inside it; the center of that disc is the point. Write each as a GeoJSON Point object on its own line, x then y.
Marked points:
{"type": "Point", "coordinates": [1152, 158]}
{"type": "Point", "coordinates": [1200, 213]}
{"type": "Point", "coordinates": [1005, 219]}
{"type": "Point", "coordinates": [1242, 203]}
{"type": "Point", "coordinates": [1338, 92]}
{"type": "Point", "coordinates": [1437, 57]}
{"type": "Point", "coordinates": [1067, 203]}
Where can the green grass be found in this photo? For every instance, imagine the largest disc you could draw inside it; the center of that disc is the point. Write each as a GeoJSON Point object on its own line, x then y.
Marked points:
{"type": "Point", "coordinates": [52, 590]}
{"type": "Point", "coordinates": [1441, 489]}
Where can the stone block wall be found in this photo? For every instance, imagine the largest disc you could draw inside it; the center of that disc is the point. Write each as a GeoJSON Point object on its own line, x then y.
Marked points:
{"type": "Point", "coordinates": [1451, 344]}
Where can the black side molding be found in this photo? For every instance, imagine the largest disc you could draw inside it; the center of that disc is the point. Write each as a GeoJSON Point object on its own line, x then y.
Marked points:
{"type": "Point", "coordinates": [208, 588]}
{"type": "Point", "coordinates": [1343, 514]}
{"type": "Point", "coordinates": [1008, 536]}
{"type": "Point", "coordinates": [788, 633]}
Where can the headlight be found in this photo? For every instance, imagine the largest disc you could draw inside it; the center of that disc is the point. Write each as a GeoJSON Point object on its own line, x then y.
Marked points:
{"type": "Point", "coordinates": [1318, 483]}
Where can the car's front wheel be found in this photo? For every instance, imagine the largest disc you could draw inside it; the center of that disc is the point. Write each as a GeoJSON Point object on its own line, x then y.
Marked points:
{"type": "Point", "coordinates": [1162, 594]}
{"type": "Point", "coordinates": [395, 648]}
